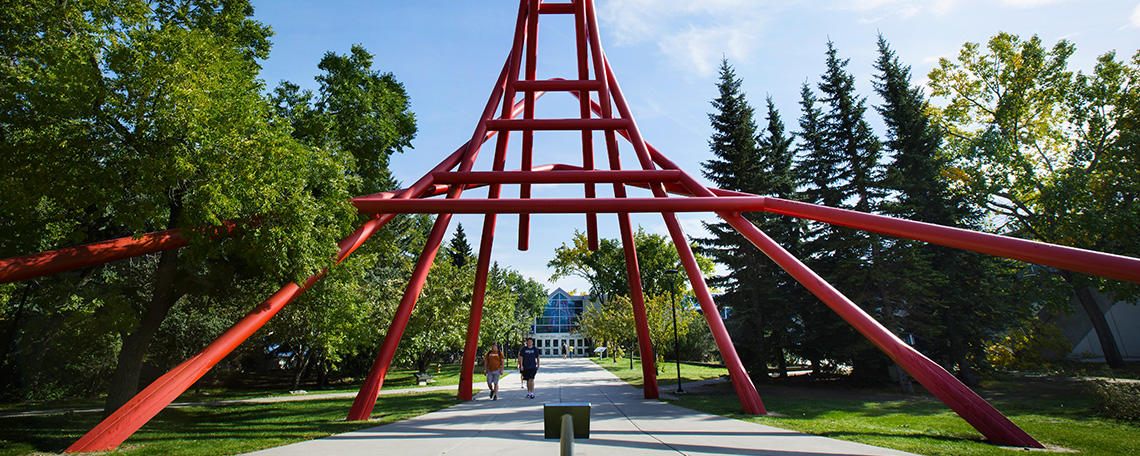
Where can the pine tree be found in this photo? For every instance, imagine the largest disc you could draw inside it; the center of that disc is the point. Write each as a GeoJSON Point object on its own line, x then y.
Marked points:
{"type": "Point", "coordinates": [735, 166]}
{"type": "Point", "coordinates": [774, 177]}
{"type": "Point", "coordinates": [952, 321]}
{"type": "Point", "coordinates": [459, 250]}
{"type": "Point", "coordinates": [839, 167]}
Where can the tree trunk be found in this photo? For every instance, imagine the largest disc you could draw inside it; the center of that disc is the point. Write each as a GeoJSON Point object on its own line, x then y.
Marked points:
{"type": "Point", "coordinates": [1100, 324]}
{"type": "Point", "coordinates": [8, 372]}
{"type": "Point", "coordinates": [125, 379]}
{"type": "Point", "coordinates": [301, 369]}
{"type": "Point", "coordinates": [783, 363]}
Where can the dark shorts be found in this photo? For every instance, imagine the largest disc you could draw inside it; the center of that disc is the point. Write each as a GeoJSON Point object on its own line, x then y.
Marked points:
{"type": "Point", "coordinates": [528, 373]}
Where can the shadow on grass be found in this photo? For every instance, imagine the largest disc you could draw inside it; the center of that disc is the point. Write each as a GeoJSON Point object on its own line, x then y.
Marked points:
{"type": "Point", "coordinates": [219, 430]}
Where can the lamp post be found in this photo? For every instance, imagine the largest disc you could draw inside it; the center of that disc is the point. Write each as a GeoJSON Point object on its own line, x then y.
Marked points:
{"type": "Point", "coordinates": [672, 273]}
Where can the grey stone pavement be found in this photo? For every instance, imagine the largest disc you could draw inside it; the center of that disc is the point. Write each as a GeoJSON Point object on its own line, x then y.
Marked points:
{"type": "Point", "coordinates": [622, 422]}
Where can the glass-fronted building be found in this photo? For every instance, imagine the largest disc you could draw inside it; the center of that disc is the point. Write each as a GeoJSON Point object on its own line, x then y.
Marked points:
{"type": "Point", "coordinates": [557, 324]}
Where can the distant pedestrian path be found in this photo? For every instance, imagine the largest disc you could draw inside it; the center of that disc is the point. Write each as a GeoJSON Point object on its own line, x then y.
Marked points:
{"type": "Point", "coordinates": [622, 423]}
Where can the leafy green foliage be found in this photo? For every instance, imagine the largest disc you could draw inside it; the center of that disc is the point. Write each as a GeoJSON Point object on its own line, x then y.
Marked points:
{"type": "Point", "coordinates": [605, 268]}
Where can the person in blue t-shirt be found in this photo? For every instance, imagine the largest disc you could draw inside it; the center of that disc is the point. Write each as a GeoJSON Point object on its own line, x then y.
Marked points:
{"type": "Point", "coordinates": [528, 365]}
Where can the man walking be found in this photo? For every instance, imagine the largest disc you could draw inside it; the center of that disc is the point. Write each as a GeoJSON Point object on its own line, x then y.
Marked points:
{"type": "Point", "coordinates": [493, 369]}
{"type": "Point", "coordinates": [528, 365]}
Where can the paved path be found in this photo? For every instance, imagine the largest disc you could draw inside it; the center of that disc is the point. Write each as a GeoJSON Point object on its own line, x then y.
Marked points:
{"type": "Point", "coordinates": [622, 422]}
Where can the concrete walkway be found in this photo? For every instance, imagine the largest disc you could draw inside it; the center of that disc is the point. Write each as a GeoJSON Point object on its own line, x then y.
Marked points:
{"type": "Point", "coordinates": [622, 422]}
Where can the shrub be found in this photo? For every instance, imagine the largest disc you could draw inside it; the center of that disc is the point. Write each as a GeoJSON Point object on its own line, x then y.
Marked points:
{"type": "Point", "coordinates": [1117, 399]}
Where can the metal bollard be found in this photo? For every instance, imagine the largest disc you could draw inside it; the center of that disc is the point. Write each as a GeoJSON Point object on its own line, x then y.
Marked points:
{"type": "Point", "coordinates": [567, 442]}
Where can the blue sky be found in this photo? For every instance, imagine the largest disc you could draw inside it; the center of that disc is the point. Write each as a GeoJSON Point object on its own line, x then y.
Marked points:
{"type": "Point", "coordinates": [665, 54]}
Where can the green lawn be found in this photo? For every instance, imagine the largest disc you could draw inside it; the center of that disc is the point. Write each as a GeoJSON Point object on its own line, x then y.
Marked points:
{"type": "Point", "coordinates": [228, 429]}
{"type": "Point", "coordinates": [667, 372]}
{"type": "Point", "coordinates": [396, 378]}
{"type": "Point", "coordinates": [1055, 410]}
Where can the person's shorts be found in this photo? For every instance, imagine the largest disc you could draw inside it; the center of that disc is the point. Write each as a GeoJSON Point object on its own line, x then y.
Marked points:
{"type": "Point", "coordinates": [528, 374]}
{"type": "Point", "coordinates": [493, 377]}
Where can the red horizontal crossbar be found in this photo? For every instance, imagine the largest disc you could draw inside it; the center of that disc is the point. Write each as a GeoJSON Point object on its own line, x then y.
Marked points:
{"type": "Point", "coordinates": [556, 177]}
{"type": "Point", "coordinates": [556, 8]}
{"type": "Point", "coordinates": [557, 124]}
{"type": "Point", "coordinates": [562, 85]}
{"type": "Point", "coordinates": [1071, 258]}
{"type": "Point", "coordinates": [367, 205]}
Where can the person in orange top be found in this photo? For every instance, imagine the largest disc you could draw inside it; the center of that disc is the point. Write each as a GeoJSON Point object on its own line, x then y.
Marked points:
{"type": "Point", "coordinates": [493, 369]}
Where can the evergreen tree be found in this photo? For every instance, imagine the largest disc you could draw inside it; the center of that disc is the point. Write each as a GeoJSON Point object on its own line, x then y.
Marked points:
{"type": "Point", "coordinates": [755, 287]}
{"type": "Point", "coordinates": [952, 321]}
{"type": "Point", "coordinates": [839, 167]}
{"type": "Point", "coordinates": [459, 250]}
{"type": "Point", "coordinates": [734, 167]}
{"type": "Point", "coordinates": [781, 302]}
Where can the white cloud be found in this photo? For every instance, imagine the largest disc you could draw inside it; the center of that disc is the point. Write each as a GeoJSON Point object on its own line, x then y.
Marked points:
{"type": "Point", "coordinates": [1028, 3]}
{"type": "Point", "coordinates": [709, 29]}
{"type": "Point", "coordinates": [1135, 17]}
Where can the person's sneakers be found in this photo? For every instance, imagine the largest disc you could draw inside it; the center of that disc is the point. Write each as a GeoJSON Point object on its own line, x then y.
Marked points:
{"type": "Point", "coordinates": [530, 395]}
{"type": "Point", "coordinates": [494, 396]}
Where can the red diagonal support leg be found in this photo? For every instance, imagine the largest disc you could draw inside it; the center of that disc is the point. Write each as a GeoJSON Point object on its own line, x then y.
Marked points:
{"type": "Point", "coordinates": [741, 382]}
{"type": "Point", "coordinates": [467, 372]}
{"type": "Point", "coordinates": [636, 295]}
{"type": "Point", "coordinates": [933, 377]}
{"type": "Point", "coordinates": [475, 318]}
{"type": "Point", "coordinates": [528, 113]}
{"type": "Point", "coordinates": [584, 111]}
{"type": "Point", "coordinates": [117, 427]}
{"type": "Point", "coordinates": [366, 398]}
{"type": "Point", "coordinates": [637, 299]}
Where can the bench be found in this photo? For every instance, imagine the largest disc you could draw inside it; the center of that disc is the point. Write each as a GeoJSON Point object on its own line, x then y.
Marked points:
{"type": "Point", "coordinates": [423, 378]}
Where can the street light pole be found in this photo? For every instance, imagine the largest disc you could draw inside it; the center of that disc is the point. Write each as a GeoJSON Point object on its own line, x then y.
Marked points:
{"type": "Point", "coordinates": [676, 346]}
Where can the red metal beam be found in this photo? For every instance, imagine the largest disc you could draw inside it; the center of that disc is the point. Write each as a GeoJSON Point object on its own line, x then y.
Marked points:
{"type": "Point", "coordinates": [556, 177]}
{"type": "Point", "coordinates": [557, 85]}
{"type": "Point", "coordinates": [116, 428]}
{"type": "Point", "coordinates": [1074, 259]}
{"type": "Point", "coordinates": [478, 295]}
{"type": "Point", "coordinates": [1071, 258]}
{"type": "Point", "coordinates": [745, 390]}
{"type": "Point", "coordinates": [582, 48]}
{"type": "Point", "coordinates": [556, 8]}
{"type": "Point", "coordinates": [559, 205]}
{"type": "Point", "coordinates": [59, 260]}
{"type": "Point", "coordinates": [366, 398]}
{"type": "Point", "coordinates": [967, 404]}
{"type": "Point", "coordinates": [633, 273]}
{"type": "Point", "coordinates": [531, 125]}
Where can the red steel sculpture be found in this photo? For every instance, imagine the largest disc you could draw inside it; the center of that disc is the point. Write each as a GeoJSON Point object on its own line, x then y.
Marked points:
{"type": "Point", "coordinates": [657, 173]}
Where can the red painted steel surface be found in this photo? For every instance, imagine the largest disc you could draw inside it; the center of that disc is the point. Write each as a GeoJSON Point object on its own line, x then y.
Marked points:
{"type": "Point", "coordinates": [530, 125]}
{"type": "Point", "coordinates": [40, 264]}
{"type": "Point", "coordinates": [967, 404]}
{"type": "Point", "coordinates": [556, 8]}
{"type": "Point", "coordinates": [637, 300]}
{"type": "Point", "coordinates": [474, 319]}
{"type": "Point", "coordinates": [564, 85]}
{"type": "Point", "coordinates": [121, 424]}
{"type": "Point", "coordinates": [1071, 258]}
{"type": "Point", "coordinates": [556, 177]}
{"type": "Point", "coordinates": [745, 390]}
{"type": "Point", "coordinates": [560, 205]}
{"type": "Point", "coordinates": [581, 46]}
{"type": "Point", "coordinates": [115, 429]}
{"type": "Point", "coordinates": [366, 399]}
{"type": "Point", "coordinates": [528, 113]}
